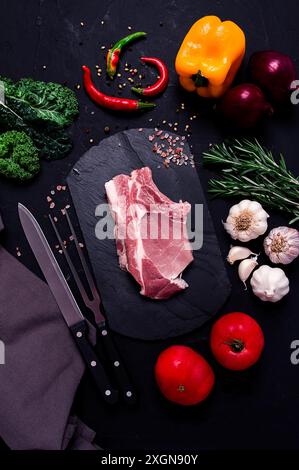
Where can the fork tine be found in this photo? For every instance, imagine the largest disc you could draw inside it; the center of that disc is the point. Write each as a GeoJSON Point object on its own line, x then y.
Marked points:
{"type": "Point", "coordinates": [87, 272]}
{"type": "Point", "coordinates": [80, 286]}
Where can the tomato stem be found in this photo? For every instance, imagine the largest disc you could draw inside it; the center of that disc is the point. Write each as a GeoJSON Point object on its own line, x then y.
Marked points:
{"type": "Point", "coordinates": [236, 345]}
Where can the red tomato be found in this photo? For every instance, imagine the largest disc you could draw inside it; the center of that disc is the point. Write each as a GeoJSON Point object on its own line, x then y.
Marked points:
{"type": "Point", "coordinates": [183, 375]}
{"type": "Point", "coordinates": [237, 341]}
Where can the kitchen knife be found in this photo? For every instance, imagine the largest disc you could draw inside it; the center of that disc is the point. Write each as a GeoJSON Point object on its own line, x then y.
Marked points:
{"type": "Point", "coordinates": [66, 301]}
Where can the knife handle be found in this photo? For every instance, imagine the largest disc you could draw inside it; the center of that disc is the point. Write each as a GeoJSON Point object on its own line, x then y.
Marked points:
{"type": "Point", "coordinates": [120, 373]}
{"type": "Point", "coordinates": [79, 332]}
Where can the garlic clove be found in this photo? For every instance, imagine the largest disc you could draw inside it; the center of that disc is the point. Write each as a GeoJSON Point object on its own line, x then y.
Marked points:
{"type": "Point", "coordinates": [283, 258]}
{"type": "Point", "coordinates": [229, 228]}
{"type": "Point", "coordinates": [245, 269]}
{"type": "Point", "coordinates": [255, 206]}
{"type": "Point", "coordinates": [244, 204]}
{"type": "Point", "coordinates": [246, 236]}
{"type": "Point", "coordinates": [261, 226]}
{"type": "Point", "coordinates": [237, 253]}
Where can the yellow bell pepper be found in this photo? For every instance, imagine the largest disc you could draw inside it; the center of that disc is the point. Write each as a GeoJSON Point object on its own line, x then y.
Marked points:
{"type": "Point", "coordinates": [210, 56]}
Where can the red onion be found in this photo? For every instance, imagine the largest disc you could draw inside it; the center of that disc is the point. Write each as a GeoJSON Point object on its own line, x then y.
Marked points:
{"type": "Point", "coordinates": [274, 73]}
{"type": "Point", "coordinates": [243, 106]}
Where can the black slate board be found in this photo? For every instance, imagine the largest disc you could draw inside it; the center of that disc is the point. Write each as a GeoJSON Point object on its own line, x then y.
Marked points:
{"type": "Point", "coordinates": [127, 311]}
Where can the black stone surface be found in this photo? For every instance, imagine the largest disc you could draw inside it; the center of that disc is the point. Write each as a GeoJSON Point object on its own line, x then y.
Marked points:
{"type": "Point", "coordinates": [128, 312]}
{"type": "Point", "coordinates": [257, 409]}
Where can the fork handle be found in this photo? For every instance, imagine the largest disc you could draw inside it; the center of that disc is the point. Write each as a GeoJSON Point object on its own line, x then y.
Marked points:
{"type": "Point", "coordinates": [79, 332]}
{"type": "Point", "coordinates": [120, 373]}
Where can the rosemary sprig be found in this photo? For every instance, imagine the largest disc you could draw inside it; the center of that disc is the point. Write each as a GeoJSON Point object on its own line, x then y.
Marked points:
{"type": "Point", "coordinates": [250, 170]}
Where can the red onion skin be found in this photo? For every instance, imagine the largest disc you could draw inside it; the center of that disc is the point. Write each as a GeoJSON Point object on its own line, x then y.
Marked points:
{"type": "Point", "coordinates": [273, 72]}
{"type": "Point", "coordinates": [243, 106]}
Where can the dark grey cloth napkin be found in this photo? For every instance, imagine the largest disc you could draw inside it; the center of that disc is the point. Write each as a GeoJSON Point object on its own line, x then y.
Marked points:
{"type": "Point", "coordinates": [42, 367]}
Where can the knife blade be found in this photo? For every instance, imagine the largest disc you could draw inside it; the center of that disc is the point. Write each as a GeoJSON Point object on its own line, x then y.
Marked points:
{"type": "Point", "coordinates": [65, 300]}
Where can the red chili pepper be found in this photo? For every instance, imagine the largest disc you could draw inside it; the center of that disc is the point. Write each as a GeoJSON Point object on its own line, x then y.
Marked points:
{"type": "Point", "coordinates": [161, 84]}
{"type": "Point", "coordinates": [111, 102]}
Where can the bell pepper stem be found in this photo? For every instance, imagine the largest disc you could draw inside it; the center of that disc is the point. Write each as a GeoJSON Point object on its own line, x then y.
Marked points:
{"type": "Point", "coordinates": [200, 80]}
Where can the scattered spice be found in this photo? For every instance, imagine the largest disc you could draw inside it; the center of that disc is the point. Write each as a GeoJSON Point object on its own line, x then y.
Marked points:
{"type": "Point", "coordinates": [170, 148]}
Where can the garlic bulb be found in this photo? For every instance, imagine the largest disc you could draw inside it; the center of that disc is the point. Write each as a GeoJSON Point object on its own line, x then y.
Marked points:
{"type": "Point", "coordinates": [269, 284]}
{"type": "Point", "coordinates": [282, 245]}
{"type": "Point", "coordinates": [245, 269]}
{"type": "Point", "coordinates": [238, 252]}
{"type": "Point", "coordinates": [246, 221]}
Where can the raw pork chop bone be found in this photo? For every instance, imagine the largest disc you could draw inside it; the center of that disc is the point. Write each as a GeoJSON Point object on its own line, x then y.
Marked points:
{"type": "Point", "coordinates": [150, 232]}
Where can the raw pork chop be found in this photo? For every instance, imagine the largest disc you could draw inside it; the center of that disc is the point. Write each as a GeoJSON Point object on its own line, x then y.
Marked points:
{"type": "Point", "coordinates": [150, 232]}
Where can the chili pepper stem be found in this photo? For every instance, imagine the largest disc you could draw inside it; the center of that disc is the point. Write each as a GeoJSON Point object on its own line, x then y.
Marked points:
{"type": "Point", "coordinates": [145, 105]}
{"type": "Point", "coordinates": [139, 91]}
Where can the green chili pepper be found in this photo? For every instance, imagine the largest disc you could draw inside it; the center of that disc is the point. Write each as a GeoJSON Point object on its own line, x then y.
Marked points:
{"type": "Point", "coordinates": [114, 52]}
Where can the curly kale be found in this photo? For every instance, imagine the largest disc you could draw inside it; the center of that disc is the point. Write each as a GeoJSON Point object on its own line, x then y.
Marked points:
{"type": "Point", "coordinates": [52, 143]}
{"type": "Point", "coordinates": [41, 110]}
{"type": "Point", "coordinates": [18, 156]}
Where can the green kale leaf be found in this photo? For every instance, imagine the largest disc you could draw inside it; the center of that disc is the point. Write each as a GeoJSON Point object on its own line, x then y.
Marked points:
{"type": "Point", "coordinates": [33, 101]}
{"type": "Point", "coordinates": [52, 142]}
